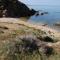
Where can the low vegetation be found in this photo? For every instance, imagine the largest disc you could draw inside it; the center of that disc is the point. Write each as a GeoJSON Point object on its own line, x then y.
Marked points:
{"type": "Point", "coordinates": [26, 43]}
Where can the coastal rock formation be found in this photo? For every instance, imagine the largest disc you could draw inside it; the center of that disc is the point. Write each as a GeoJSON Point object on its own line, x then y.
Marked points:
{"type": "Point", "coordinates": [40, 13]}
{"type": "Point", "coordinates": [14, 8]}
{"type": "Point", "coordinates": [57, 24]}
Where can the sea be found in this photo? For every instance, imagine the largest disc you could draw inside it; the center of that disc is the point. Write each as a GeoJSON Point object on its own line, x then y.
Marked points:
{"type": "Point", "coordinates": [51, 18]}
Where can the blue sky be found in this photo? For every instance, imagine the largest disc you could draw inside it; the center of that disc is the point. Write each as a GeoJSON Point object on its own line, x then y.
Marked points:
{"type": "Point", "coordinates": [41, 2]}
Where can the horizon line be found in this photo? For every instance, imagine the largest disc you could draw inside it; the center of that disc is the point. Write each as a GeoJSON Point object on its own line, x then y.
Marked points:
{"type": "Point", "coordinates": [43, 5]}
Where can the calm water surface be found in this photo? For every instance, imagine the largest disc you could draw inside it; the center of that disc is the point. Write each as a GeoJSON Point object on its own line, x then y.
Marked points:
{"type": "Point", "coordinates": [52, 17]}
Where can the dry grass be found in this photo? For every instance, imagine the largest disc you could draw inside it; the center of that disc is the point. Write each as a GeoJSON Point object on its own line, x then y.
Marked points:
{"type": "Point", "coordinates": [20, 42]}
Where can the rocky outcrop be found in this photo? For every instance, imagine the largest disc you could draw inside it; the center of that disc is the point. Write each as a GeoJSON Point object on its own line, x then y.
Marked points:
{"type": "Point", "coordinates": [40, 13]}
{"type": "Point", "coordinates": [57, 24]}
{"type": "Point", "coordinates": [14, 8]}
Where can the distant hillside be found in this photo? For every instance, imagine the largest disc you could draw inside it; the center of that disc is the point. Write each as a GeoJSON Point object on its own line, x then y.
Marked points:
{"type": "Point", "coordinates": [14, 8]}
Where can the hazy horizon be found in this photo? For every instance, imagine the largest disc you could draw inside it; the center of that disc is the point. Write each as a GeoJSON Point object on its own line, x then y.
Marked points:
{"type": "Point", "coordinates": [41, 2]}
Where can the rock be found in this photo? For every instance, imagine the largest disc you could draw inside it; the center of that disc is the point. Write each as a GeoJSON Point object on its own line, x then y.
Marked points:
{"type": "Point", "coordinates": [45, 12]}
{"type": "Point", "coordinates": [57, 24]}
{"type": "Point", "coordinates": [14, 8]}
{"type": "Point", "coordinates": [33, 11]}
{"type": "Point", "coordinates": [37, 13]}
{"type": "Point", "coordinates": [42, 13]}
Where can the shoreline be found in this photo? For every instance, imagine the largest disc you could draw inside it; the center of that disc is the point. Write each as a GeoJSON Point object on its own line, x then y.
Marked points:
{"type": "Point", "coordinates": [47, 29]}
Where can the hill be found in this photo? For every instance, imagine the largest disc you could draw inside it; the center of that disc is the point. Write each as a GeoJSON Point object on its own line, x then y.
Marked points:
{"type": "Point", "coordinates": [21, 40]}
{"type": "Point", "coordinates": [14, 8]}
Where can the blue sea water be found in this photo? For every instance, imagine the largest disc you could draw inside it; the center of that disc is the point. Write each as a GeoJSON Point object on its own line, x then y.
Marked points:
{"type": "Point", "coordinates": [52, 17]}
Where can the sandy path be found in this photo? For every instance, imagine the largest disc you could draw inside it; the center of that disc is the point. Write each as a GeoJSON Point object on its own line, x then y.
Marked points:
{"type": "Point", "coordinates": [43, 28]}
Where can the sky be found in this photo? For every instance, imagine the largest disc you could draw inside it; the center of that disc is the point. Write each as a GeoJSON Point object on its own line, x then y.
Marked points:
{"type": "Point", "coordinates": [41, 2]}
